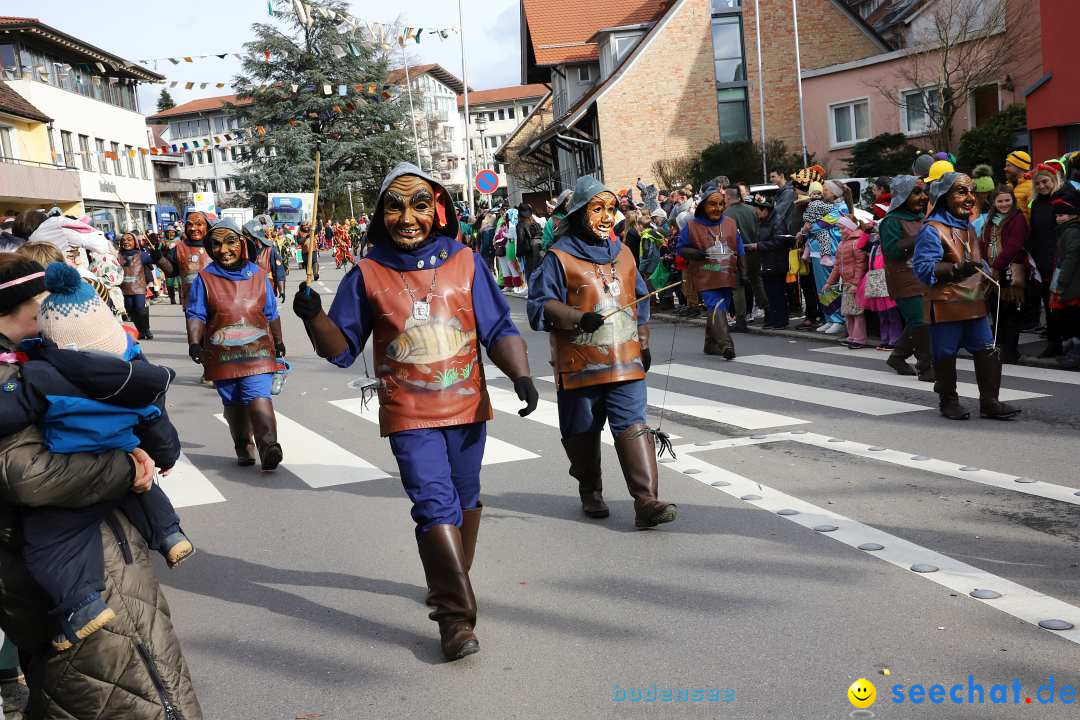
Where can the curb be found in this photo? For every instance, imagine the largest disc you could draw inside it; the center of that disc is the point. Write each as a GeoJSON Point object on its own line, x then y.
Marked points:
{"type": "Point", "coordinates": [1027, 360]}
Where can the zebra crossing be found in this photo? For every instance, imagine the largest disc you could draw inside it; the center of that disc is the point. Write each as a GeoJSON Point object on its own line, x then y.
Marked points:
{"type": "Point", "coordinates": [321, 463]}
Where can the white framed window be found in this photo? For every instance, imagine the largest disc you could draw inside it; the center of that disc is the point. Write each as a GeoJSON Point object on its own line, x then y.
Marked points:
{"type": "Point", "coordinates": [103, 163]}
{"type": "Point", "coordinates": [69, 148]}
{"type": "Point", "coordinates": [584, 74]}
{"type": "Point", "coordinates": [849, 122]}
{"type": "Point", "coordinates": [116, 159]}
{"type": "Point", "coordinates": [128, 150]}
{"type": "Point", "coordinates": [919, 110]}
{"type": "Point", "coordinates": [142, 167]}
{"type": "Point", "coordinates": [84, 148]}
{"type": "Point", "coordinates": [622, 45]}
{"type": "Point", "coordinates": [502, 113]}
{"type": "Point", "coordinates": [7, 146]}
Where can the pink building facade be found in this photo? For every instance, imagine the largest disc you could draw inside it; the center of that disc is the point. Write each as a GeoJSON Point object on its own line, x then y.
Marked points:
{"type": "Point", "coordinates": [848, 103]}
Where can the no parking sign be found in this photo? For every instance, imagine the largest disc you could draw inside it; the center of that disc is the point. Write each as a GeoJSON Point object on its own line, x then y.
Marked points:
{"type": "Point", "coordinates": [486, 181]}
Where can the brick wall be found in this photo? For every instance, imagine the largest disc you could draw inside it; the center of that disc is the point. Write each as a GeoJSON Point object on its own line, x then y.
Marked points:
{"type": "Point", "coordinates": [664, 105]}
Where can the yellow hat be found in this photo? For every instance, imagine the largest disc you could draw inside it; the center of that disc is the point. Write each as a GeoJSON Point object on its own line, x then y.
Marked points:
{"type": "Point", "coordinates": [1020, 159]}
{"type": "Point", "coordinates": [816, 188]}
{"type": "Point", "coordinates": [938, 169]}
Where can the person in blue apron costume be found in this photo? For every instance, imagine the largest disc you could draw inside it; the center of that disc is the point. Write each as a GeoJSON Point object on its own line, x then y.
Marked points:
{"type": "Point", "coordinates": [428, 303]}
{"type": "Point", "coordinates": [581, 294]}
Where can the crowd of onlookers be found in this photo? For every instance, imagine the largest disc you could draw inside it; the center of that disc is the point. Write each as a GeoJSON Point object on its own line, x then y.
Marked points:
{"type": "Point", "coordinates": [813, 252]}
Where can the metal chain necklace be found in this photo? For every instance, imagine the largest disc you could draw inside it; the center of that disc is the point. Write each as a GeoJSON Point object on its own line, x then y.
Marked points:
{"type": "Point", "coordinates": [421, 309]}
{"type": "Point", "coordinates": [612, 287]}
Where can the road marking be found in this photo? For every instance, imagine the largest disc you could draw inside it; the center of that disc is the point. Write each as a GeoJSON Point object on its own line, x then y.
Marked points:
{"type": "Point", "coordinates": [495, 450]}
{"type": "Point", "coordinates": [317, 461]}
{"type": "Point", "coordinates": [877, 377]}
{"type": "Point", "coordinates": [186, 486]}
{"type": "Point", "coordinates": [1003, 481]}
{"type": "Point", "coordinates": [1017, 371]}
{"type": "Point", "coordinates": [1016, 600]}
{"type": "Point", "coordinates": [795, 392]}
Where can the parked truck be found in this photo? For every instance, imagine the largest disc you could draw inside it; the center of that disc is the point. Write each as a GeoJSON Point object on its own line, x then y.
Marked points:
{"type": "Point", "coordinates": [288, 210]}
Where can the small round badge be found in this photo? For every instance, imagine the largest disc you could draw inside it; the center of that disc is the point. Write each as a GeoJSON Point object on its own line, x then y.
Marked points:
{"type": "Point", "coordinates": [419, 263]}
{"type": "Point", "coordinates": [443, 255]}
{"type": "Point", "coordinates": [432, 260]}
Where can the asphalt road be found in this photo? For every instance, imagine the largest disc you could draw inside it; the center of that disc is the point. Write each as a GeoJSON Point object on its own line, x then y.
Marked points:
{"type": "Point", "coordinates": [306, 596]}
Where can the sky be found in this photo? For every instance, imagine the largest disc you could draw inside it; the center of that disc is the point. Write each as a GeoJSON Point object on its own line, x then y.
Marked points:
{"type": "Point", "coordinates": [145, 30]}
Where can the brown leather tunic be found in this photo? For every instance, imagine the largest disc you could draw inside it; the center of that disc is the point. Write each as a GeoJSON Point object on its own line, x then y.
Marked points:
{"type": "Point", "coordinates": [134, 282]}
{"type": "Point", "coordinates": [714, 273]}
{"type": "Point", "coordinates": [963, 299]}
{"type": "Point", "coordinates": [612, 353]}
{"type": "Point", "coordinates": [262, 259]}
{"type": "Point", "coordinates": [190, 261]}
{"type": "Point", "coordinates": [431, 370]}
{"type": "Point", "coordinates": [237, 342]}
{"type": "Point", "coordinates": [900, 277]}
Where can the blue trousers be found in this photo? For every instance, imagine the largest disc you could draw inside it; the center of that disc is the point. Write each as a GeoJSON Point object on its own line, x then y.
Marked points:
{"type": "Point", "coordinates": [134, 304]}
{"type": "Point", "coordinates": [621, 405]}
{"type": "Point", "coordinates": [721, 296]}
{"type": "Point", "coordinates": [947, 338]}
{"type": "Point", "coordinates": [440, 471]}
{"type": "Point", "coordinates": [242, 391]}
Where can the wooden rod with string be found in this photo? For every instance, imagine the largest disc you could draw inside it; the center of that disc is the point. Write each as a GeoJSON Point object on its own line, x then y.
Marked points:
{"type": "Point", "coordinates": [643, 298]}
{"type": "Point", "coordinates": [315, 213]}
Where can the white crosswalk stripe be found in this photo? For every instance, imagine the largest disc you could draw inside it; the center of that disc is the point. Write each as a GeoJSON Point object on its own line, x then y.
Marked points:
{"type": "Point", "coordinates": [877, 377]}
{"type": "Point", "coordinates": [1015, 371]}
{"type": "Point", "coordinates": [317, 461]}
{"type": "Point", "coordinates": [1017, 600]}
{"type": "Point", "coordinates": [186, 486]}
{"type": "Point", "coordinates": [495, 450]}
{"type": "Point", "coordinates": [796, 392]}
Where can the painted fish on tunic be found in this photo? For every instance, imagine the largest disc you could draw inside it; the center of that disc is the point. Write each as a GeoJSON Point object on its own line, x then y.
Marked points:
{"type": "Point", "coordinates": [619, 328]}
{"type": "Point", "coordinates": [236, 335]}
{"type": "Point", "coordinates": [430, 342]}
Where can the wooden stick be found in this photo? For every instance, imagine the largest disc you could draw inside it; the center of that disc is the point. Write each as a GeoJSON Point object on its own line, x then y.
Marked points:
{"type": "Point", "coordinates": [643, 298]}
{"type": "Point", "coordinates": [315, 213]}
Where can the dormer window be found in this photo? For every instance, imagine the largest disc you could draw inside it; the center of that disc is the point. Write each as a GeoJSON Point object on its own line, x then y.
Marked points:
{"type": "Point", "coordinates": [584, 74]}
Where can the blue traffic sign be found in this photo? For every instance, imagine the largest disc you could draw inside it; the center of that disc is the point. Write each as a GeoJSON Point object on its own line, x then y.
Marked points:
{"type": "Point", "coordinates": [487, 181]}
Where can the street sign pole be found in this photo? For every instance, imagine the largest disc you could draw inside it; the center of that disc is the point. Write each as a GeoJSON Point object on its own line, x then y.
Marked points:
{"type": "Point", "coordinates": [468, 135]}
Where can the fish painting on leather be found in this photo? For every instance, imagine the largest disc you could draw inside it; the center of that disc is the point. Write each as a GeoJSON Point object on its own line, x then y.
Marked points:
{"type": "Point", "coordinates": [236, 335]}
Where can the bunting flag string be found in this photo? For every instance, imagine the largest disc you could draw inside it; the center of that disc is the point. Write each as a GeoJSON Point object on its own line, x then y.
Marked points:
{"type": "Point", "coordinates": [367, 89]}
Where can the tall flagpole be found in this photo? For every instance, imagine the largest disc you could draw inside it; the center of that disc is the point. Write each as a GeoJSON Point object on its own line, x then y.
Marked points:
{"type": "Point", "coordinates": [412, 112]}
{"type": "Point", "coordinates": [761, 91]}
{"type": "Point", "coordinates": [798, 79]}
{"type": "Point", "coordinates": [468, 134]}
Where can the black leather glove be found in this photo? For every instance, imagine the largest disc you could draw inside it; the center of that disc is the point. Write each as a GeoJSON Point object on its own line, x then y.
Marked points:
{"type": "Point", "coordinates": [279, 348]}
{"type": "Point", "coordinates": [646, 358]}
{"type": "Point", "coordinates": [591, 321]}
{"type": "Point", "coordinates": [944, 272]}
{"type": "Point", "coordinates": [693, 254]}
{"type": "Point", "coordinates": [966, 268]}
{"type": "Point", "coordinates": [526, 392]}
{"type": "Point", "coordinates": [194, 351]}
{"type": "Point", "coordinates": [155, 254]}
{"type": "Point", "coordinates": [306, 303]}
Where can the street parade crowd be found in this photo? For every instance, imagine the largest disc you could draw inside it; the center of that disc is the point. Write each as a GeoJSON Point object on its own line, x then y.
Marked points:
{"type": "Point", "coordinates": [939, 261]}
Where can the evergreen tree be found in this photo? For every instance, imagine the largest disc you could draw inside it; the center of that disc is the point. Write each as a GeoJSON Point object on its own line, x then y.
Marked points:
{"type": "Point", "coordinates": [165, 101]}
{"type": "Point", "coordinates": [360, 136]}
{"type": "Point", "coordinates": [885, 154]}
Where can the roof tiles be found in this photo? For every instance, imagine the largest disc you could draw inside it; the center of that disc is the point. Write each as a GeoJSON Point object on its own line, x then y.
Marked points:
{"type": "Point", "coordinates": [201, 105]}
{"type": "Point", "coordinates": [560, 29]}
{"type": "Point", "coordinates": [503, 94]}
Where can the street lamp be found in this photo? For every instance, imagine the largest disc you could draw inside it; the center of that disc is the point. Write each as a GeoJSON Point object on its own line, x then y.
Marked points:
{"type": "Point", "coordinates": [481, 127]}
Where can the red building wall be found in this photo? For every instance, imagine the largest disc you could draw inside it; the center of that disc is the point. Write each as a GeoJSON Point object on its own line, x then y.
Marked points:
{"type": "Point", "coordinates": [1056, 103]}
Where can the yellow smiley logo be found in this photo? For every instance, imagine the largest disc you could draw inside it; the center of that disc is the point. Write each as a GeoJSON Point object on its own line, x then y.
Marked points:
{"type": "Point", "coordinates": [862, 693]}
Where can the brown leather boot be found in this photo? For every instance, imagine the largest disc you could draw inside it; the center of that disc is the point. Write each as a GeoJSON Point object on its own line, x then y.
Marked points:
{"type": "Point", "coordinates": [637, 456]}
{"type": "Point", "coordinates": [240, 427]}
{"type": "Point", "coordinates": [470, 527]}
{"type": "Point", "coordinates": [988, 376]}
{"type": "Point", "coordinates": [264, 426]}
{"type": "Point", "coordinates": [443, 557]}
{"type": "Point", "coordinates": [717, 336]}
{"type": "Point", "coordinates": [583, 451]}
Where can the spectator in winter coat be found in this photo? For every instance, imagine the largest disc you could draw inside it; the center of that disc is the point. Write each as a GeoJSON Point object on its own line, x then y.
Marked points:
{"type": "Point", "coordinates": [1042, 241]}
{"type": "Point", "coordinates": [1065, 286]}
{"type": "Point", "coordinates": [771, 246]}
{"type": "Point", "coordinates": [849, 270]}
{"type": "Point", "coordinates": [1017, 165]}
{"type": "Point", "coordinates": [1002, 242]}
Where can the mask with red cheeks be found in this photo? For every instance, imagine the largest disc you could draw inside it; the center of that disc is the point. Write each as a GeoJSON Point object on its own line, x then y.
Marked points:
{"type": "Point", "coordinates": [227, 248]}
{"type": "Point", "coordinates": [598, 216]}
{"type": "Point", "coordinates": [961, 197]}
{"type": "Point", "coordinates": [409, 211]}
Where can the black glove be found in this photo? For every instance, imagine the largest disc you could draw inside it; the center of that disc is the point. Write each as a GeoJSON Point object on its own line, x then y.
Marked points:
{"type": "Point", "coordinates": [155, 254]}
{"type": "Point", "coordinates": [279, 348]}
{"type": "Point", "coordinates": [693, 254]}
{"type": "Point", "coordinates": [527, 394]}
{"type": "Point", "coordinates": [306, 303]}
{"type": "Point", "coordinates": [194, 351]}
{"type": "Point", "coordinates": [591, 321]}
{"type": "Point", "coordinates": [646, 358]}
{"type": "Point", "coordinates": [965, 269]}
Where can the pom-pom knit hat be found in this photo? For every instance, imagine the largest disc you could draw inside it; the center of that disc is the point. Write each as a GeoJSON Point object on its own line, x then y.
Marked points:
{"type": "Point", "coordinates": [75, 318]}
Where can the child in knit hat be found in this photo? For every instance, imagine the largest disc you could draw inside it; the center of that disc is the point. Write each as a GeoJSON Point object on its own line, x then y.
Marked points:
{"type": "Point", "coordinates": [85, 354]}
